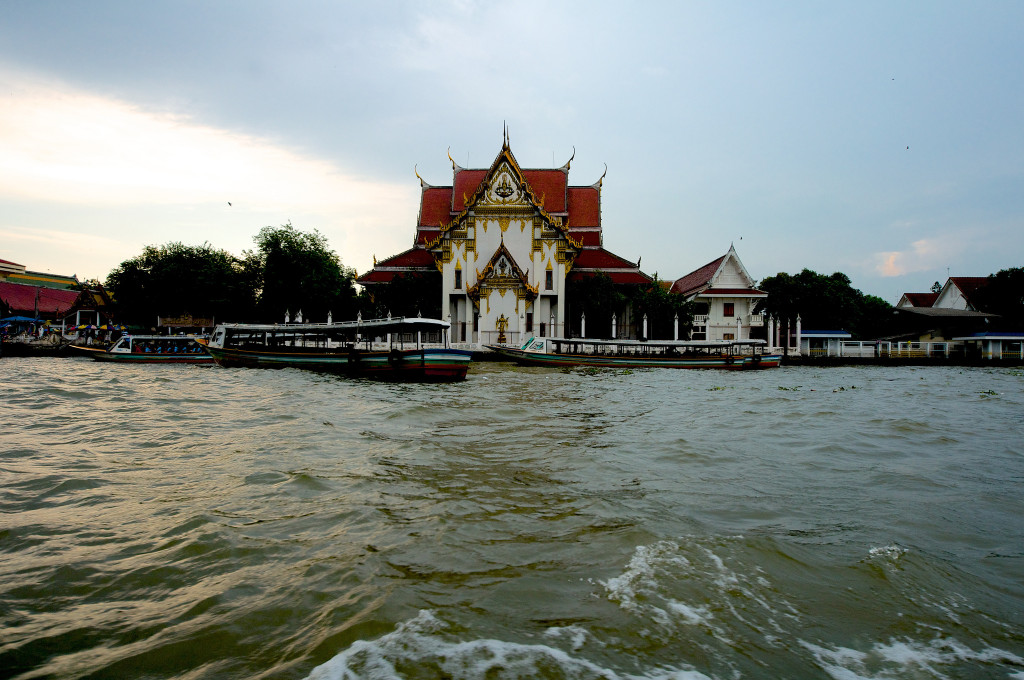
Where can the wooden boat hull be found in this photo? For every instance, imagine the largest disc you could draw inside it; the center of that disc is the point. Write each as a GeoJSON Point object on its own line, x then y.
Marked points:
{"type": "Point", "coordinates": [143, 358]}
{"type": "Point", "coordinates": [727, 362]}
{"type": "Point", "coordinates": [438, 364]}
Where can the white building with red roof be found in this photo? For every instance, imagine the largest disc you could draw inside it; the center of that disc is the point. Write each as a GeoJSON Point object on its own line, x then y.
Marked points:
{"type": "Point", "coordinates": [725, 295]}
{"type": "Point", "coordinates": [506, 239]}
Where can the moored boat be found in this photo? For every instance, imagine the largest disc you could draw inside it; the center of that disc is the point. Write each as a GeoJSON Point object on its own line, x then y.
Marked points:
{"type": "Point", "coordinates": [151, 349]}
{"type": "Point", "coordinates": [399, 348]}
{"type": "Point", "coordinates": [726, 354]}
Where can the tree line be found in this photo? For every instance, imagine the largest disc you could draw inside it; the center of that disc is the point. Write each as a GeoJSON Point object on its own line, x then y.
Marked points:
{"type": "Point", "coordinates": [288, 270]}
{"type": "Point", "coordinates": [291, 270]}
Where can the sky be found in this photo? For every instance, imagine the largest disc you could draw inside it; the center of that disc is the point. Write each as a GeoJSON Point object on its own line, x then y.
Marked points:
{"type": "Point", "coordinates": [881, 139]}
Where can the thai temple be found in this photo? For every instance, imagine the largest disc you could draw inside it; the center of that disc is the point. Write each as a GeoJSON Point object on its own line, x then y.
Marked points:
{"type": "Point", "coordinates": [506, 241]}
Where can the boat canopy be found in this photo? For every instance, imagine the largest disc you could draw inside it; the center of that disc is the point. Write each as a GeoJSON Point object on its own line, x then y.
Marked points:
{"type": "Point", "coordinates": [399, 324]}
{"type": "Point", "coordinates": [693, 344]}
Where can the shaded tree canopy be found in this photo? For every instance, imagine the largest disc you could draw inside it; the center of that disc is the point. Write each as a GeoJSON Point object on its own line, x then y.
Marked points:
{"type": "Point", "coordinates": [825, 303]}
{"type": "Point", "coordinates": [175, 279]}
{"type": "Point", "coordinates": [404, 296]}
{"type": "Point", "coordinates": [1003, 294]}
{"type": "Point", "coordinates": [298, 271]}
{"type": "Point", "coordinates": [597, 297]}
{"type": "Point", "coordinates": [661, 307]}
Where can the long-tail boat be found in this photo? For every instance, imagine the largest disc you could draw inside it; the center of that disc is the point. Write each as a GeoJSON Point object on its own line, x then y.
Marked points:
{"type": "Point", "coordinates": [394, 348]}
{"type": "Point", "coordinates": [150, 349]}
{"type": "Point", "coordinates": [725, 354]}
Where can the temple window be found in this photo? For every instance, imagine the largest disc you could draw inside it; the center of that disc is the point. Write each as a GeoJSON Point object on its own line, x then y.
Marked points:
{"type": "Point", "coordinates": [458, 278]}
{"type": "Point", "coordinates": [728, 308]}
{"type": "Point", "coordinates": [549, 280]}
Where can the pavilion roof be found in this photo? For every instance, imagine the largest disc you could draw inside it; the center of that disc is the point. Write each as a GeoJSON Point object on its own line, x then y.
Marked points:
{"type": "Point", "coordinates": [21, 297]}
{"type": "Point", "coordinates": [698, 278]}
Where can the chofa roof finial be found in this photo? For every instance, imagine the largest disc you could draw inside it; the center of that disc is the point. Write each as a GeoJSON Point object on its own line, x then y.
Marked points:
{"type": "Point", "coordinates": [569, 162]}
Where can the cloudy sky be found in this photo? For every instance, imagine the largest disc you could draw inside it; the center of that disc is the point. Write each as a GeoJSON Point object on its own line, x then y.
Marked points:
{"type": "Point", "coordinates": [881, 139]}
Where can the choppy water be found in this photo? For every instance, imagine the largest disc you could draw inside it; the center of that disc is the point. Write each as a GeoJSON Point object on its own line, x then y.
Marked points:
{"type": "Point", "coordinates": [200, 522]}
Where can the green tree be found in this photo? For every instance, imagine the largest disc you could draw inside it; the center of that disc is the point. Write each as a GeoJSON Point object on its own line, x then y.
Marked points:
{"type": "Point", "coordinates": [411, 295]}
{"type": "Point", "coordinates": [825, 302]}
{"type": "Point", "coordinates": [1004, 295]}
{"type": "Point", "coordinates": [597, 297]}
{"type": "Point", "coordinates": [175, 279]}
{"type": "Point", "coordinates": [298, 271]}
{"type": "Point", "coordinates": [661, 308]}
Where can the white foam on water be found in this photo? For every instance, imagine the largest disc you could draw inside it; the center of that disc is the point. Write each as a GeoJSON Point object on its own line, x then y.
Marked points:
{"type": "Point", "coordinates": [892, 553]}
{"type": "Point", "coordinates": [650, 584]}
{"type": "Point", "coordinates": [577, 636]}
{"type": "Point", "coordinates": [898, 658]}
{"type": "Point", "coordinates": [419, 643]}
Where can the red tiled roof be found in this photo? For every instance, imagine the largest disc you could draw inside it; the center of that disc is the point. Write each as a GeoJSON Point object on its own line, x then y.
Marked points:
{"type": "Point", "coordinates": [548, 185]}
{"type": "Point", "coordinates": [414, 257]}
{"type": "Point", "coordinates": [22, 298]}
{"type": "Point", "coordinates": [590, 261]}
{"type": "Point", "coordinates": [695, 279]}
{"type": "Point", "coordinates": [587, 238]}
{"type": "Point", "coordinates": [634, 277]}
{"type": "Point", "coordinates": [412, 260]}
{"type": "Point", "coordinates": [599, 258]}
{"type": "Point", "coordinates": [584, 207]}
{"type": "Point", "coordinates": [969, 285]}
{"type": "Point", "coordinates": [9, 262]}
{"type": "Point", "coordinates": [377, 276]}
{"type": "Point", "coordinates": [922, 299]}
{"type": "Point", "coordinates": [423, 235]}
{"type": "Point", "coordinates": [466, 183]}
{"type": "Point", "coordinates": [435, 206]}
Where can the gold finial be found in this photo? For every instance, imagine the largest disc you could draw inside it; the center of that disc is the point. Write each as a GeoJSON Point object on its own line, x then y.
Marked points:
{"type": "Point", "coordinates": [423, 183]}
{"type": "Point", "coordinates": [374, 260]}
{"type": "Point", "coordinates": [569, 162]}
{"type": "Point", "coordinates": [454, 166]}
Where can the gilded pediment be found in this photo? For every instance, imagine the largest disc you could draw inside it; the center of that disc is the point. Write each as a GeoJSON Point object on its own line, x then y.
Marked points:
{"type": "Point", "coordinates": [502, 274]}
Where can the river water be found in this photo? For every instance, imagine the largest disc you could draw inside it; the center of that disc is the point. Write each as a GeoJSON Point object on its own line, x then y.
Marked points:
{"type": "Point", "coordinates": [201, 522]}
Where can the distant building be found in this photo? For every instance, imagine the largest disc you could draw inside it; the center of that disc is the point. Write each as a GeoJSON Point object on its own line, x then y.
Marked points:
{"type": "Point", "coordinates": [50, 297]}
{"type": "Point", "coordinates": [725, 294]}
{"type": "Point", "coordinates": [13, 272]}
{"type": "Point", "coordinates": [917, 300]}
{"type": "Point", "coordinates": [937, 317]}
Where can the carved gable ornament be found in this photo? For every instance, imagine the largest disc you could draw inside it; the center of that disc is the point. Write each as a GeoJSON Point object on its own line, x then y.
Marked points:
{"type": "Point", "coordinates": [502, 274]}
{"type": "Point", "coordinates": [504, 190]}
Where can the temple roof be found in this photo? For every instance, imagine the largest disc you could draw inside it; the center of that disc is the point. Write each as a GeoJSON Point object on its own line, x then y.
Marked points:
{"type": "Point", "coordinates": [584, 207]}
{"type": "Point", "coordinates": [598, 260]}
{"type": "Point", "coordinates": [412, 260]}
{"type": "Point", "coordinates": [579, 206]}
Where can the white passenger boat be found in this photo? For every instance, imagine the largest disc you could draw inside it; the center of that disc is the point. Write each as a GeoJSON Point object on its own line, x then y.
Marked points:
{"type": "Point", "coordinates": [727, 354]}
{"type": "Point", "coordinates": [398, 348]}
